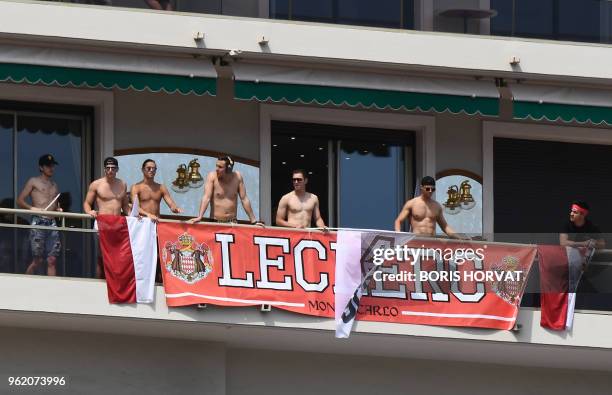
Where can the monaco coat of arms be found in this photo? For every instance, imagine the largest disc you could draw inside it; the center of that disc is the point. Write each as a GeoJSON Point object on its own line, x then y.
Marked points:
{"type": "Point", "coordinates": [187, 260]}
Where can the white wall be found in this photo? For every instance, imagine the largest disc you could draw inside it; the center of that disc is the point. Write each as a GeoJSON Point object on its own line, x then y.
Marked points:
{"type": "Point", "coordinates": [458, 143]}
{"type": "Point", "coordinates": [144, 119]}
{"type": "Point", "coordinates": [95, 363]}
{"type": "Point", "coordinates": [266, 372]}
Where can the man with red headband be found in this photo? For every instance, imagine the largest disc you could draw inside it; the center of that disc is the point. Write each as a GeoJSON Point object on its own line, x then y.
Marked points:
{"type": "Point", "coordinates": [579, 231]}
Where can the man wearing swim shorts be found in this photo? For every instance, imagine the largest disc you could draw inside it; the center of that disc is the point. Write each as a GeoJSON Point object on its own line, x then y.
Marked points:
{"type": "Point", "coordinates": [43, 191]}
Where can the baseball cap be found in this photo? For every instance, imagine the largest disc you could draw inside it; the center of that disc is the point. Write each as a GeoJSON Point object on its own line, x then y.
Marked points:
{"type": "Point", "coordinates": [47, 160]}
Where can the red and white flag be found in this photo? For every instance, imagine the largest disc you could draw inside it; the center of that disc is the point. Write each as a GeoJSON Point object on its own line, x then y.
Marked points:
{"type": "Point", "coordinates": [560, 272]}
{"type": "Point", "coordinates": [129, 252]}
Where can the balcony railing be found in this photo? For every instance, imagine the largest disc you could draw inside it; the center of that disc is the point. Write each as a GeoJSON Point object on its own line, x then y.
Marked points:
{"type": "Point", "coordinates": [77, 255]}
{"type": "Point", "coordinates": [565, 20]}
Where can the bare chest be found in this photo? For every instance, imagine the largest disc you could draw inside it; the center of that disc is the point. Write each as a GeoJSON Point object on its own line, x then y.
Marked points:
{"type": "Point", "coordinates": [422, 212]}
{"type": "Point", "coordinates": [226, 190]}
{"type": "Point", "coordinates": [148, 193]}
{"type": "Point", "coordinates": [297, 205]}
{"type": "Point", "coordinates": [44, 188]}
{"type": "Point", "coordinates": [108, 192]}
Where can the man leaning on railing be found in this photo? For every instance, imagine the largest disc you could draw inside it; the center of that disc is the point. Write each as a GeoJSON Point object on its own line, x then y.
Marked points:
{"type": "Point", "coordinates": [109, 193]}
{"type": "Point", "coordinates": [579, 231]}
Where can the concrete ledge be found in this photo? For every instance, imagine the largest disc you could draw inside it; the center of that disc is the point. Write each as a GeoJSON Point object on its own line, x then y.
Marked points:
{"type": "Point", "coordinates": [81, 304]}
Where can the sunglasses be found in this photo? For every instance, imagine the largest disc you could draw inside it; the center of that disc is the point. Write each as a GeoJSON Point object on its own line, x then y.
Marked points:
{"type": "Point", "coordinates": [153, 169]}
{"type": "Point", "coordinates": [429, 189]}
{"type": "Point", "coordinates": [297, 179]}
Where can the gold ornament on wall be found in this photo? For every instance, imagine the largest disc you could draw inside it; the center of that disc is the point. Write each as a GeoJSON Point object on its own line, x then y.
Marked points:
{"type": "Point", "coordinates": [195, 178]}
{"type": "Point", "coordinates": [459, 198]}
{"type": "Point", "coordinates": [187, 176]}
{"type": "Point", "coordinates": [181, 184]}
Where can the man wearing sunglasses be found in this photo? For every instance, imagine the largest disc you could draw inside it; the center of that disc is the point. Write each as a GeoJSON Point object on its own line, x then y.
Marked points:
{"type": "Point", "coordinates": [579, 231]}
{"type": "Point", "coordinates": [149, 193]}
{"type": "Point", "coordinates": [424, 213]}
{"type": "Point", "coordinates": [109, 194]}
{"type": "Point", "coordinates": [296, 209]}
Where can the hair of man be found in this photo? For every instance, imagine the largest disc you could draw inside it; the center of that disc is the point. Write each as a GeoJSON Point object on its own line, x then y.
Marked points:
{"type": "Point", "coordinates": [427, 180]}
{"type": "Point", "coordinates": [147, 161]}
{"type": "Point", "coordinates": [299, 171]}
{"type": "Point", "coordinates": [229, 163]}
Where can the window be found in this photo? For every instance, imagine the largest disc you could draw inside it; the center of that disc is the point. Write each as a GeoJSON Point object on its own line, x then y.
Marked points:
{"type": "Point", "coordinates": [7, 194]}
{"type": "Point", "coordinates": [26, 133]}
{"type": "Point", "coordinates": [535, 181]}
{"type": "Point", "coordinates": [382, 13]}
{"type": "Point", "coordinates": [362, 176]}
{"type": "Point", "coordinates": [534, 184]}
{"type": "Point", "coordinates": [570, 20]}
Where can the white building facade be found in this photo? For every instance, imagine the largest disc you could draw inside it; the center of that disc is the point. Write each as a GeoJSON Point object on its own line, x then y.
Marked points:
{"type": "Point", "coordinates": [440, 89]}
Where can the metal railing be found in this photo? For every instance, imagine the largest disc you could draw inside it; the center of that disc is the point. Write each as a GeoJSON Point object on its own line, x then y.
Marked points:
{"type": "Point", "coordinates": [78, 252]}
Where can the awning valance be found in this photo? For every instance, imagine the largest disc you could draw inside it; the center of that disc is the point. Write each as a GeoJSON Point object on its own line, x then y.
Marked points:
{"type": "Point", "coordinates": [66, 67]}
{"type": "Point", "coordinates": [368, 90]}
{"type": "Point", "coordinates": [552, 103]}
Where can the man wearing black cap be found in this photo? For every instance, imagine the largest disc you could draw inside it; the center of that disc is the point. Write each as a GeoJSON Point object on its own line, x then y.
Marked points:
{"type": "Point", "coordinates": [424, 212]}
{"type": "Point", "coordinates": [110, 196]}
{"type": "Point", "coordinates": [43, 192]}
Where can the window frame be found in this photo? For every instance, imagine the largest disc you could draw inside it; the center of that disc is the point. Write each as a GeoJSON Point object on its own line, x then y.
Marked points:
{"type": "Point", "coordinates": [423, 126]}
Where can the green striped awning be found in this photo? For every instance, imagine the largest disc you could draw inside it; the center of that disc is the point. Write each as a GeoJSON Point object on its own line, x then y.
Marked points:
{"type": "Point", "coordinates": [106, 79]}
{"type": "Point", "coordinates": [85, 69]}
{"type": "Point", "coordinates": [325, 87]}
{"type": "Point", "coordinates": [550, 103]}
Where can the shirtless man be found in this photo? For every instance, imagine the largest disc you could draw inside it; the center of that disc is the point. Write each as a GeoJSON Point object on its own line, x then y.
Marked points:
{"type": "Point", "coordinates": [110, 196]}
{"type": "Point", "coordinates": [149, 194]}
{"type": "Point", "coordinates": [224, 186]}
{"type": "Point", "coordinates": [424, 213]}
{"type": "Point", "coordinates": [295, 209]}
{"type": "Point", "coordinates": [43, 191]}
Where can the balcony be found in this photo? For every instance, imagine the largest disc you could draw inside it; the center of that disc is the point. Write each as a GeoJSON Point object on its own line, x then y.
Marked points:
{"type": "Point", "coordinates": [561, 20]}
{"type": "Point", "coordinates": [76, 301]}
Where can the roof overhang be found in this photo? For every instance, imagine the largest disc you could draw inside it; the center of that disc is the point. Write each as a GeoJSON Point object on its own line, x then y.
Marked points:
{"type": "Point", "coordinates": [567, 104]}
{"type": "Point", "coordinates": [106, 70]}
{"type": "Point", "coordinates": [269, 83]}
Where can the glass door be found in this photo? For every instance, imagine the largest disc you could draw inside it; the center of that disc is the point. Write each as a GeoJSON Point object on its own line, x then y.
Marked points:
{"type": "Point", "coordinates": [362, 176]}
{"type": "Point", "coordinates": [371, 184]}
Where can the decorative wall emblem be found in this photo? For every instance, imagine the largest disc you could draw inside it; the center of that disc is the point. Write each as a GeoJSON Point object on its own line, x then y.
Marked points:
{"type": "Point", "coordinates": [187, 260]}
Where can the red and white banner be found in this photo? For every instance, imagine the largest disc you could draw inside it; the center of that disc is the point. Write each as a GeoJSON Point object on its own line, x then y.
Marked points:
{"type": "Point", "coordinates": [240, 266]}
{"type": "Point", "coordinates": [129, 252]}
{"type": "Point", "coordinates": [560, 272]}
{"type": "Point", "coordinates": [295, 271]}
{"type": "Point", "coordinates": [435, 282]}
